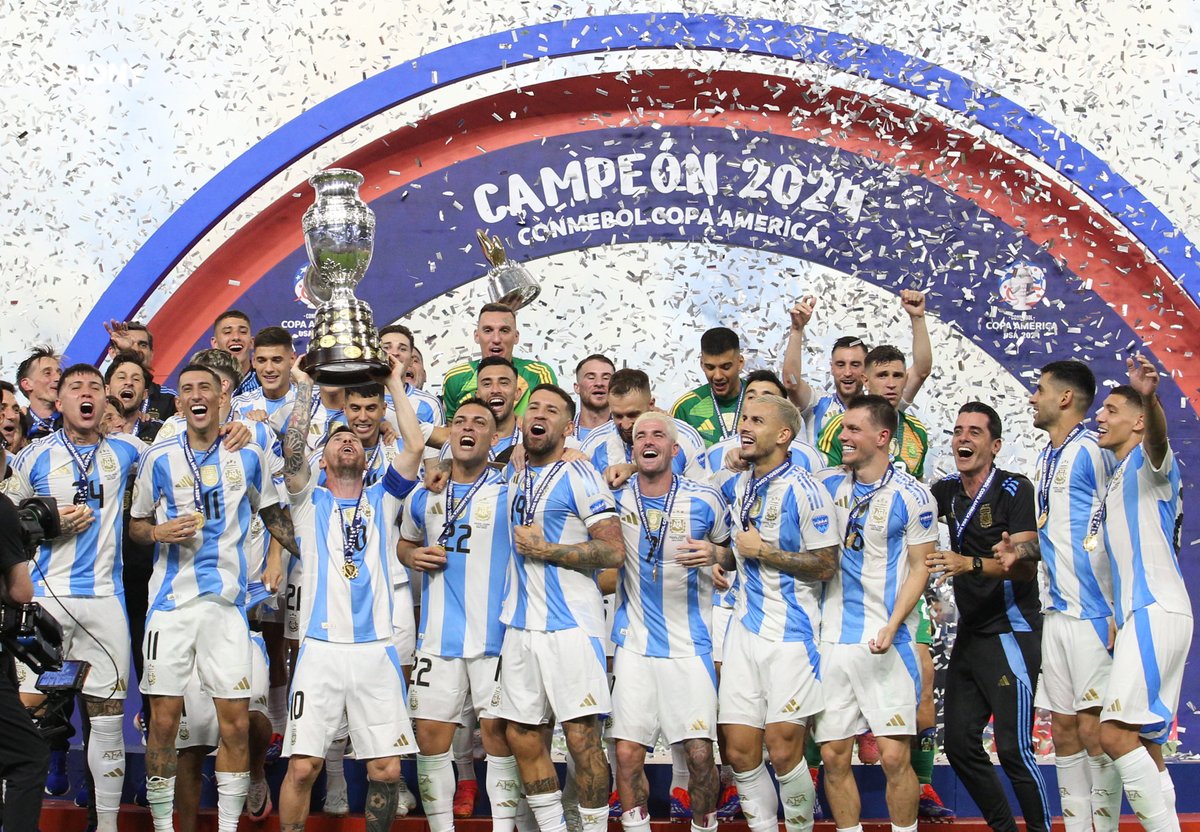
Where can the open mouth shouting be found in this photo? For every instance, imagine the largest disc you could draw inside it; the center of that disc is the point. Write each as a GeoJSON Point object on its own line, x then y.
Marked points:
{"type": "Point", "coordinates": [467, 441]}
{"type": "Point", "coordinates": [87, 409]}
{"type": "Point", "coordinates": [496, 404]}
{"type": "Point", "coordinates": [538, 429]}
{"type": "Point", "coordinates": [199, 410]}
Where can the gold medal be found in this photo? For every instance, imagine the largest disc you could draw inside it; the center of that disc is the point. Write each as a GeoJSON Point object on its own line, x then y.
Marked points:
{"type": "Point", "coordinates": [199, 518]}
{"type": "Point", "coordinates": [1091, 542]}
{"type": "Point", "coordinates": [1042, 518]}
{"type": "Point", "coordinates": [350, 571]}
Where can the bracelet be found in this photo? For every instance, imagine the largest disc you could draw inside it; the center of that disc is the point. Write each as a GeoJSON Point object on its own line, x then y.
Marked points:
{"type": "Point", "coordinates": [153, 534]}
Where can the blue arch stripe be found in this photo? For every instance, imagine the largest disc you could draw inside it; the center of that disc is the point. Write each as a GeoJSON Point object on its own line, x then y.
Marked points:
{"type": "Point", "coordinates": [246, 174]}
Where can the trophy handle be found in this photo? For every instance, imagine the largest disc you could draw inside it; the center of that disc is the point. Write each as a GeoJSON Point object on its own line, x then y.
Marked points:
{"type": "Point", "coordinates": [493, 249]}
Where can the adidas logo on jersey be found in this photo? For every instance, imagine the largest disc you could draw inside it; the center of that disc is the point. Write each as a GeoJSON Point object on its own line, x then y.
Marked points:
{"type": "Point", "coordinates": [790, 708]}
{"type": "Point", "coordinates": [185, 481]}
{"type": "Point", "coordinates": [402, 742]}
{"type": "Point", "coordinates": [437, 508]}
{"type": "Point", "coordinates": [698, 725]}
{"type": "Point", "coordinates": [1003, 683]}
{"type": "Point", "coordinates": [120, 685]}
{"type": "Point", "coordinates": [896, 721]}
{"type": "Point", "coordinates": [588, 701]}
{"type": "Point", "coordinates": [630, 519]}
{"type": "Point", "coordinates": [244, 684]}
{"type": "Point", "coordinates": [1115, 707]}
{"type": "Point", "coordinates": [1091, 695]}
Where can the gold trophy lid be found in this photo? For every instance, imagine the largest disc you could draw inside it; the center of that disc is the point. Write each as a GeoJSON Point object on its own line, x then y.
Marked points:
{"type": "Point", "coordinates": [493, 249]}
{"type": "Point", "coordinates": [509, 283]}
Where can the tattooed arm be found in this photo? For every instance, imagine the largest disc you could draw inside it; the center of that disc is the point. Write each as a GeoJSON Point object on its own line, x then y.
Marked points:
{"type": "Point", "coordinates": [295, 462]}
{"type": "Point", "coordinates": [605, 550]}
{"type": "Point", "coordinates": [816, 565]}
{"type": "Point", "coordinates": [278, 521]}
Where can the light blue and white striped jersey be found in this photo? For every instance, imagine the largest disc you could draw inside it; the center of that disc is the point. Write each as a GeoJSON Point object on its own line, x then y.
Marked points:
{"type": "Point", "coordinates": [87, 564]}
{"type": "Point", "coordinates": [460, 604]}
{"type": "Point", "coordinates": [233, 486]}
{"type": "Point", "coordinates": [322, 423]}
{"type": "Point", "coordinates": [860, 599]}
{"type": "Point", "coordinates": [606, 447]}
{"type": "Point", "coordinates": [664, 610]}
{"type": "Point", "coordinates": [257, 400]}
{"type": "Point", "coordinates": [1141, 527]}
{"type": "Point", "coordinates": [803, 455]}
{"type": "Point", "coordinates": [428, 408]}
{"type": "Point", "coordinates": [821, 411]}
{"type": "Point", "coordinates": [335, 607]}
{"type": "Point", "coordinates": [503, 443]}
{"type": "Point", "coordinates": [542, 595]}
{"type": "Point", "coordinates": [1080, 582]}
{"type": "Point", "coordinates": [793, 512]}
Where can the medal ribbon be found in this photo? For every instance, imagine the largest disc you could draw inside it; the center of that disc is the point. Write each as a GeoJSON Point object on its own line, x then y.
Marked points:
{"type": "Point", "coordinates": [960, 526]}
{"type": "Point", "coordinates": [657, 541]}
{"type": "Point", "coordinates": [351, 535]}
{"type": "Point", "coordinates": [1099, 515]}
{"type": "Point", "coordinates": [512, 440]}
{"type": "Point", "coordinates": [194, 466]}
{"type": "Point", "coordinates": [860, 506]}
{"type": "Point", "coordinates": [40, 424]}
{"type": "Point", "coordinates": [737, 413]}
{"type": "Point", "coordinates": [534, 496]}
{"type": "Point", "coordinates": [756, 484]}
{"type": "Point", "coordinates": [83, 464]}
{"type": "Point", "coordinates": [456, 508]}
{"type": "Point", "coordinates": [1050, 466]}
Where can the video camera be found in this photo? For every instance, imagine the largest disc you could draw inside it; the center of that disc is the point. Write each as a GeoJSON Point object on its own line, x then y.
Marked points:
{"type": "Point", "coordinates": [26, 630]}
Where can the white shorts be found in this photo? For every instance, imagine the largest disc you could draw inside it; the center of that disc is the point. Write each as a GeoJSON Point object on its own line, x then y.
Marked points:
{"type": "Point", "coordinates": [364, 683]}
{"type": "Point", "coordinates": [543, 674]}
{"type": "Point", "coordinates": [404, 624]}
{"type": "Point", "coordinates": [98, 633]}
{"type": "Point", "coordinates": [1147, 672]}
{"type": "Point", "coordinates": [448, 689]}
{"type": "Point", "coordinates": [767, 681]}
{"type": "Point", "coordinates": [1075, 663]}
{"type": "Point", "coordinates": [864, 691]}
{"type": "Point", "coordinates": [208, 635]}
{"type": "Point", "coordinates": [198, 723]}
{"type": "Point", "coordinates": [293, 605]}
{"type": "Point", "coordinates": [721, 616]}
{"type": "Point", "coordinates": [676, 696]}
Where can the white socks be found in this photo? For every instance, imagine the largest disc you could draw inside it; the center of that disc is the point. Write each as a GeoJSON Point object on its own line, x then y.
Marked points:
{"type": "Point", "coordinates": [1075, 787]}
{"type": "Point", "coordinates": [760, 805]}
{"type": "Point", "coordinates": [277, 699]}
{"type": "Point", "coordinates": [679, 767]}
{"type": "Point", "coordinates": [1106, 794]}
{"type": "Point", "coordinates": [635, 820]}
{"type": "Point", "coordinates": [547, 808]}
{"type": "Point", "coordinates": [231, 798]}
{"type": "Point", "coordinates": [798, 793]}
{"type": "Point", "coordinates": [896, 828]}
{"type": "Point", "coordinates": [435, 774]}
{"type": "Point", "coordinates": [106, 760]}
{"type": "Point", "coordinates": [595, 820]}
{"type": "Point", "coordinates": [464, 753]}
{"type": "Point", "coordinates": [160, 794]}
{"type": "Point", "coordinates": [503, 782]}
{"type": "Point", "coordinates": [1144, 788]}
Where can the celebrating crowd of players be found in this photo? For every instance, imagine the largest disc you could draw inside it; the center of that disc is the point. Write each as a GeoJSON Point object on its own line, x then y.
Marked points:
{"type": "Point", "coordinates": [252, 545]}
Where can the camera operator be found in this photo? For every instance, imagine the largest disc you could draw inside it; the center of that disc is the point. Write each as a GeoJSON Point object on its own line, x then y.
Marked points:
{"type": "Point", "coordinates": [24, 755]}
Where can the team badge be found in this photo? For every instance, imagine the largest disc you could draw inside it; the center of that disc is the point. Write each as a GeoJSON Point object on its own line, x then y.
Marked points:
{"type": "Point", "coordinates": [483, 512]}
{"type": "Point", "coordinates": [773, 511]}
{"type": "Point", "coordinates": [151, 676]}
{"type": "Point", "coordinates": [985, 515]}
{"type": "Point", "coordinates": [367, 512]}
{"type": "Point", "coordinates": [654, 519]}
{"type": "Point", "coordinates": [168, 430]}
{"type": "Point", "coordinates": [184, 733]}
{"type": "Point", "coordinates": [496, 697]}
{"type": "Point", "coordinates": [209, 475]}
{"type": "Point", "coordinates": [256, 525]}
{"type": "Point", "coordinates": [233, 474]}
{"type": "Point", "coordinates": [821, 523]}
{"type": "Point", "coordinates": [1061, 476]}
{"type": "Point", "coordinates": [925, 519]}
{"type": "Point", "coordinates": [412, 699]}
{"type": "Point", "coordinates": [108, 461]}
{"type": "Point", "coordinates": [678, 525]}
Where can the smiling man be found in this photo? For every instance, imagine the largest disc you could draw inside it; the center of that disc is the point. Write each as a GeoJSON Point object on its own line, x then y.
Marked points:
{"type": "Point", "coordinates": [592, 376]}
{"type": "Point", "coordinates": [125, 380]}
{"type": "Point", "coordinates": [232, 333]}
{"type": "Point", "coordinates": [713, 408]}
{"type": "Point", "coordinates": [11, 418]}
{"type": "Point", "coordinates": [274, 355]}
{"type": "Point", "coordinates": [37, 377]}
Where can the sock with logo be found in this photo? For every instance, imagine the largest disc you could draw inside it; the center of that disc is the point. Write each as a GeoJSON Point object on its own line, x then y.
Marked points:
{"type": "Point", "coordinates": [798, 795]}
{"type": "Point", "coordinates": [1143, 787]}
{"type": "Point", "coordinates": [636, 819]}
{"type": "Point", "coordinates": [924, 749]}
{"type": "Point", "coordinates": [435, 773]}
{"type": "Point", "coordinates": [1105, 793]}
{"type": "Point", "coordinates": [593, 819]}
{"type": "Point", "coordinates": [503, 782]}
{"type": "Point", "coordinates": [760, 804]}
{"type": "Point", "coordinates": [547, 808]}
{"type": "Point", "coordinates": [231, 798]}
{"type": "Point", "coordinates": [106, 761]}
{"type": "Point", "coordinates": [1075, 787]}
{"type": "Point", "coordinates": [160, 794]}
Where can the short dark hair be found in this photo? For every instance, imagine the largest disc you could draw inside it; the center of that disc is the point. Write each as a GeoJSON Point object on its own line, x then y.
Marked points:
{"type": "Point", "coordinates": [196, 367]}
{"type": "Point", "coordinates": [883, 415]}
{"type": "Point", "coordinates": [1130, 394]}
{"type": "Point", "coordinates": [498, 307]}
{"type": "Point", "coordinates": [79, 370]}
{"type": "Point", "coordinates": [628, 380]}
{"type": "Point", "coordinates": [595, 357]}
{"type": "Point", "coordinates": [39, 352]}
{"type": "Point", "coordinates": [475, 400]}
{"type": "Point", "coordinates": [718, 340]}
{"type": "Point", "coordinates": [399, 329]}
{"type": "Point", "coordinates": [993, 418]}
{"type": "Point", "coordinates": [8, 386]}
{"type": "Point", "coordinates": [495, 361]}
{"type": "Point", "coordinates": [849, 342]}
{"type": "Point", "coordinates": [884, 354]}
{"type": "Point", "coordinates": [221, 362]}
{"type": "Point", "coordinates": [561, 393]}
{"type": "Point", "coordinates": [1077, 376]}
{"type": "Point", "coordinates": [372, 390]}
{"type": "Point", "coordinates": [126, 357]}
{"type": "Point", "coordinates": [231, 313]}
{"type": "Point", "coordinates": [768, 376]}
{"type": "Point", "coordinates": [273, 336]}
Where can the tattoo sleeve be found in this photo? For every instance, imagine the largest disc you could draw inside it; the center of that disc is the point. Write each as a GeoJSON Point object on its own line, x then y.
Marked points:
{"type": "Point", "coordinates": [604, 550]}
{"type": "Point", "coordinates": [815, 565]}
{"type": "Point", "coordinates": [1029, 550]}
{"type": "Point", "coordinates": [294, 445]}
{"type": "Point", "coordinates": [278, 521]}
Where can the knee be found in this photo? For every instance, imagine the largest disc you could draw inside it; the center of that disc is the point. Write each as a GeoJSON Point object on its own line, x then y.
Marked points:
{"type": "Point", "coordinates": [895, 758]}
{"type": "Point", "coordinates": [629, 755]}
{"type": "Point", "coordinates": [384, 770]}
{"type": "Point", "coordinates": [582, 737]}
{"type": "Point", "coordinates": [303, 771]}
{"type": "Point", "coordinates": [836, 758]}
{"type": "Point", "coordinates": [699, 756]}
{"type": "Point", "coordinates": [524, 740]}
{"type": "Point", "coordinates": [235, 729]}
{"type": "Point", "coordinates": [495, 739]}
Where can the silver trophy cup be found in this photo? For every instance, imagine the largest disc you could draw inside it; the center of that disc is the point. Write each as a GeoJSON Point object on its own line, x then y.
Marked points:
{"type": "Point", "coordinates": [508, 283]}
{"type": "Point", "coordinates": [339, 235]}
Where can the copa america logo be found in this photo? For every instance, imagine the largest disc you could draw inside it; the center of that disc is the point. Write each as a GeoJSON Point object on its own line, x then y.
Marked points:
{"type": "Point", "coordinates": [1023, 285]}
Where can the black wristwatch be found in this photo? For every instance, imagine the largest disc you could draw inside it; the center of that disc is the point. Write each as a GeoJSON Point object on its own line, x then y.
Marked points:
{"type": "Point", "coordinates": [977, 565]}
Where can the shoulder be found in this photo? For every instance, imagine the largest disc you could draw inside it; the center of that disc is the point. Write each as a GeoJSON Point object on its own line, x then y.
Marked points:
{"type": "Point", "coordinates": [802, 483]}
{"type": "Point", "coordinates": [698, 490]}
{"type": "Point", "coordinates": [582, 472]}
{"type": "Point", "coordinates": [32, 451]}
{"type": "Point", "coordinates": [1012, 483]}
{"type": "Point", "coordinates": [534, 367]}
{"type": "Point", "coordinates": [912, 488]}
{"type": "Point", "coordinates": [947, 484]}
{"type": "Point", "coordinates": [126, 443]}
{"type": "Point", "coordinates": [685, 402]}
{"type": "Point", "coordinates": [597, 437]}
{"type": "Point", "coordinates": [689, 434]}
{"type": "Point", "coordinates": [831, 477]}
{"type": "Point", "coordinates": [459, 373]}
{"type": "Point", "coordinates": [160, 450]}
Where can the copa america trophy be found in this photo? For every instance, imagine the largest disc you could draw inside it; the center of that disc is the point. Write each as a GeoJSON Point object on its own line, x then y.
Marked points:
{"type": "Point", "coordinates": [509, 283]}
{"type": "Point", "coordinates": [339, 235]}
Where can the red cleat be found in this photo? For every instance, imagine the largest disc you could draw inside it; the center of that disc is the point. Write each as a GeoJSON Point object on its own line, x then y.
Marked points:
{"type": "Point", "coordinates": [464, 798]}
{"type": "Point", "coordinates": [868, 749]}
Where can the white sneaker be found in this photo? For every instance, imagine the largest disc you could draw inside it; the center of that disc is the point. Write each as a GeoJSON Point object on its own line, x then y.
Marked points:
{"type": "Point", "coordinates": [336, 801]}
{"type": "Point", "coordinates": [405, 801]}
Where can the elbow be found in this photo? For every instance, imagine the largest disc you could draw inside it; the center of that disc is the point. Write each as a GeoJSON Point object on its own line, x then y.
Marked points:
{"type": "Point", "coordinates": [827, 574]}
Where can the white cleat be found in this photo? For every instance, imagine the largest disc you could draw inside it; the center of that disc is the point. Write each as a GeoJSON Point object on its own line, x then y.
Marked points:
{"type": "Point", "coordinates": [405, 800]}
{"type": "Point", "coordinates": [336, 801]}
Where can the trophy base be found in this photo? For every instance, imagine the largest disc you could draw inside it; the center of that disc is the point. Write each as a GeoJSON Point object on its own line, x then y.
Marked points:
{"type": "Point", "coordinates": [331, 367]}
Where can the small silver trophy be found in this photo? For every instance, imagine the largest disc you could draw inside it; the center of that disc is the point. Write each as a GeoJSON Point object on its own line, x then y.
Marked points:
{"type": "Point", "coordinates": [339, 235]}
{"type": "Point", "coordinates": [509, 283]}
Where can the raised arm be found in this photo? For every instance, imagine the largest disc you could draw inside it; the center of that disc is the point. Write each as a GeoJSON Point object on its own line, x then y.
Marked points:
{"type": "Point", "coordinates": [408, 461]}
{"type": "Point", "coordinates": [295, 447]}
{"type": "Point", "coordinates": [798, 390]}
{"type": "Point", "coordinates": [1144, 378]}
{"type": "Point", "coordinates": [913, 303]}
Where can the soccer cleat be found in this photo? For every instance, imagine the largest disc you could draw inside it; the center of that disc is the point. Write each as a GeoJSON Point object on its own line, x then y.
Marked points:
{"type": "Point", "coordinates": [337, 803]}
{"type": "Point", "coordinates": [868, 749]}
{"type": "Point", "coordinates": [83, 797]}
{"type": "Point", "coordinates": [139, 794]}
{"type": "Point", "coordinates": [258, 801]}
{"type": "Point", "coordinates": [405, 802]}
{"type": "Point", "coordinates": [464, 798]}
{"type": "Point", "coordinates": [57, 782]}
{"type": "Point", "coordinates": [681, 805]}
{"type": "Point", "coordinates": [275, 749]}
{"type": "Point", "coordinates": [729, 805]}
{"type": "Point", "coordinates": [614, 805]}
{"type": "Point", "coordinates": [931, 807]}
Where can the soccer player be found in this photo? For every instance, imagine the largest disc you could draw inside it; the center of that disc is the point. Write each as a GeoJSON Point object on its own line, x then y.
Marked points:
{"type": "Point", "coordinates": [37, 377]}
{"type": "Point", "coordinates": [1140, 522]}
{"type": "Point", "coordinates": [459, 541]}
{"type": "Point", "coordinates": [869, 672]}
{"type": "Point", "coordinates": [348, 661]}
{"type": "Point", "coordinates": [397, 342]}
{"type": "Point", "coordinates": [498, 384]}
{"type": "Point", "coordinates": [674, 529]}
{"type": "Point", "coordinates": [11, 418]}
{"type": "Point", "coordinates": [713, 409]}
{"type": "Point", "coordinates": [1072, 474]}
{"type": "Point", "coordinates": [564, 528]}
{"type": "Point", "coordinates": [77, 576]}
{"type": "Point", "coordinates": [592, 375]}
{"type": "Point", "coordinates": [496, 334]}
{"type": "Point", "coordinates": [846, 363]}
{"type": "Point", "coordinates": [134, 337]}
{"type": "Point", "coordinates": [416, 370]}
{"type": "Point", "coordinates": [610, 446]}
{"type": "Point", "coordinates": [326, 407]}
{"type": "Point", "coordinates": [126, 379]}
{"type": "Point", "coordinates": [996, 658]}
{"type": "Point", "coordinates": [274, 355]}
{"type": "Point", "coordinates": [194, 497]}
{"type": "Point", "coordinates": [232, 333]}
{"type": "Point", "coordinates": [786, 546]}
